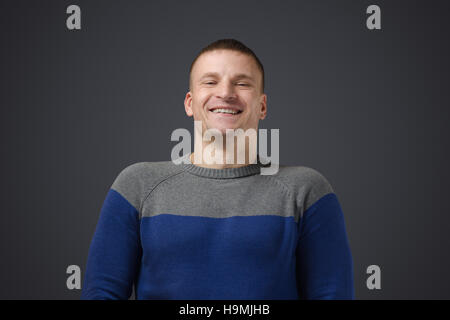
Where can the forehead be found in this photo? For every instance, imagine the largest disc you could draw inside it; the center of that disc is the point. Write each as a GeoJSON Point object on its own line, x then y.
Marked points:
{"type": "Point", "coordinates": [225, 62]}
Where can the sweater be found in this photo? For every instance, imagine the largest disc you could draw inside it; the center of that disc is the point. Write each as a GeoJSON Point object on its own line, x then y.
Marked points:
{"type": "Point", "coordinates": [181, 231]}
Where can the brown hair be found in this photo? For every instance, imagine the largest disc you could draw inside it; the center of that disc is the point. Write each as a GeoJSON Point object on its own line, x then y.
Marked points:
{"type": "Point", "coordinates": [229, 44]}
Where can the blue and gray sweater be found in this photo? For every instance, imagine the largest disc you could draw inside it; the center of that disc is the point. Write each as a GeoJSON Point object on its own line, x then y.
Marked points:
{"type": "Point", "coordinates": [188, 232]}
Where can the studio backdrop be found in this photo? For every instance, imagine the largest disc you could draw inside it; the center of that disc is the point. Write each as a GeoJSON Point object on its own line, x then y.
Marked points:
{"type": "Point", "coordinates": [359, 91]}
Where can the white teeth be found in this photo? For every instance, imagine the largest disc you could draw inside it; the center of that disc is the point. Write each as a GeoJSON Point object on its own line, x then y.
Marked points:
{"type": "Point", "coordinates": [225, 111]}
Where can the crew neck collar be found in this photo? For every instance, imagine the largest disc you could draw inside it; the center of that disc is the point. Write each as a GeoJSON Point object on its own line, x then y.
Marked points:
{"type": "Point", "coordinates": [225, 173]}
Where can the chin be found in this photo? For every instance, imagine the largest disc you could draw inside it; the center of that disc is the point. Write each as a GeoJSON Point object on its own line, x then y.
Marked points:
{"type": "Point", "coordinates": [221, 127]}
{"type": "Point", "coordinates": [224, 129]}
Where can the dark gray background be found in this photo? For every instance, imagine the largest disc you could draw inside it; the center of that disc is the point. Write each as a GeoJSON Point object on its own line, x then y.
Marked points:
{"type": "Point", "coordinates": [367, 109]}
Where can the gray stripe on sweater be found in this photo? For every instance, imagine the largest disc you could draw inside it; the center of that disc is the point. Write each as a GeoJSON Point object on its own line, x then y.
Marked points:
{"type": "Point", "coordinates": [155, 188]}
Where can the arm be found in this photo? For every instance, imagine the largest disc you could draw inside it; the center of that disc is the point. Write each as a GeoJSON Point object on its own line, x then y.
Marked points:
{"type": "Point", "coordinates": [114, 254]}
{"type": "Point", "coordinates": [324, 260]}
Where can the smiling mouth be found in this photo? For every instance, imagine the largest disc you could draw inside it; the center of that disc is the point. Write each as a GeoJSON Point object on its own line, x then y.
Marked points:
{"type": "Point", "coordinates": [227, 111]}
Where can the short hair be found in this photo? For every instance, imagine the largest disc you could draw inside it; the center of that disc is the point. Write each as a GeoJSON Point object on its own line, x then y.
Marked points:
{"type": "Point", "coordinates": [229, 44]}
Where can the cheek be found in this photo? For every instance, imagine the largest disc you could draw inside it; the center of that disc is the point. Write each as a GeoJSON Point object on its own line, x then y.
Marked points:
{"type": "Point", "coordinates": [250, 98]}
{"type": "Point", "coordinates": [200, 99]}
{"type": "Point", "coordinates": [256, 111]}
{"type": "Point", "coordinates": [253, 103]}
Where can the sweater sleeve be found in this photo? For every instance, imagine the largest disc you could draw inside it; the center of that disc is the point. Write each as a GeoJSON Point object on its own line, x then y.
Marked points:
{"type": "Point", "coordinates": [114, 254]}
{"type": "Point", "coordinates": [324, 260]}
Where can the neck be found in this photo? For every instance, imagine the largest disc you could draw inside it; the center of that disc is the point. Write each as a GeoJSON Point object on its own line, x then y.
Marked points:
{"type": "Point", "coordinates": [216, 155]}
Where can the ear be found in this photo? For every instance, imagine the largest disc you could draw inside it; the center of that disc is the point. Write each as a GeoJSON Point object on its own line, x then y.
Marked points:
{"type": "Point", "coordinates": [188, 104]}
{"type": "Point", "coordinates": [263, 104]}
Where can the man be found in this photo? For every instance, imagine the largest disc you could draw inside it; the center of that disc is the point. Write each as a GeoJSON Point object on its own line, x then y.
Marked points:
{"type": "Point", "coordinates": [221, 230]}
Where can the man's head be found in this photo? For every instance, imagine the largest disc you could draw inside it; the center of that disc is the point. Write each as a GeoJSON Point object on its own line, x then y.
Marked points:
{"type": "Point", "coordinates": [226, 75]}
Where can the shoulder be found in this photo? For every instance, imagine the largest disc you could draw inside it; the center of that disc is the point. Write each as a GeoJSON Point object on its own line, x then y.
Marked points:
{"type": "Point", "coordinates": [145, 172]}
{"type": "Point", "coordinates": [135, 180]}
{"type": "Point", "coordinates": [307, 184]}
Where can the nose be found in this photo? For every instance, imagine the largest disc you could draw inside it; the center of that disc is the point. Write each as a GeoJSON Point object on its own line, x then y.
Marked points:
{"type": "Point", "coordinates": [226, 91]}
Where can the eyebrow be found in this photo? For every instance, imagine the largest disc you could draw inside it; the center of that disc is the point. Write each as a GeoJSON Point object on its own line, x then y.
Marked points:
{"type": "Point", "coordinates": [216, 75]}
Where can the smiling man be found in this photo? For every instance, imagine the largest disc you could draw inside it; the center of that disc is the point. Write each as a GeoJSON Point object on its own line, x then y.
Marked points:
{"type": "Point", "coordinates": [220, 231]}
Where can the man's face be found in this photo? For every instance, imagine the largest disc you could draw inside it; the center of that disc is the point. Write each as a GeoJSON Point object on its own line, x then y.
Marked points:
{"type": "Point", "coordinates": [226, 79]}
